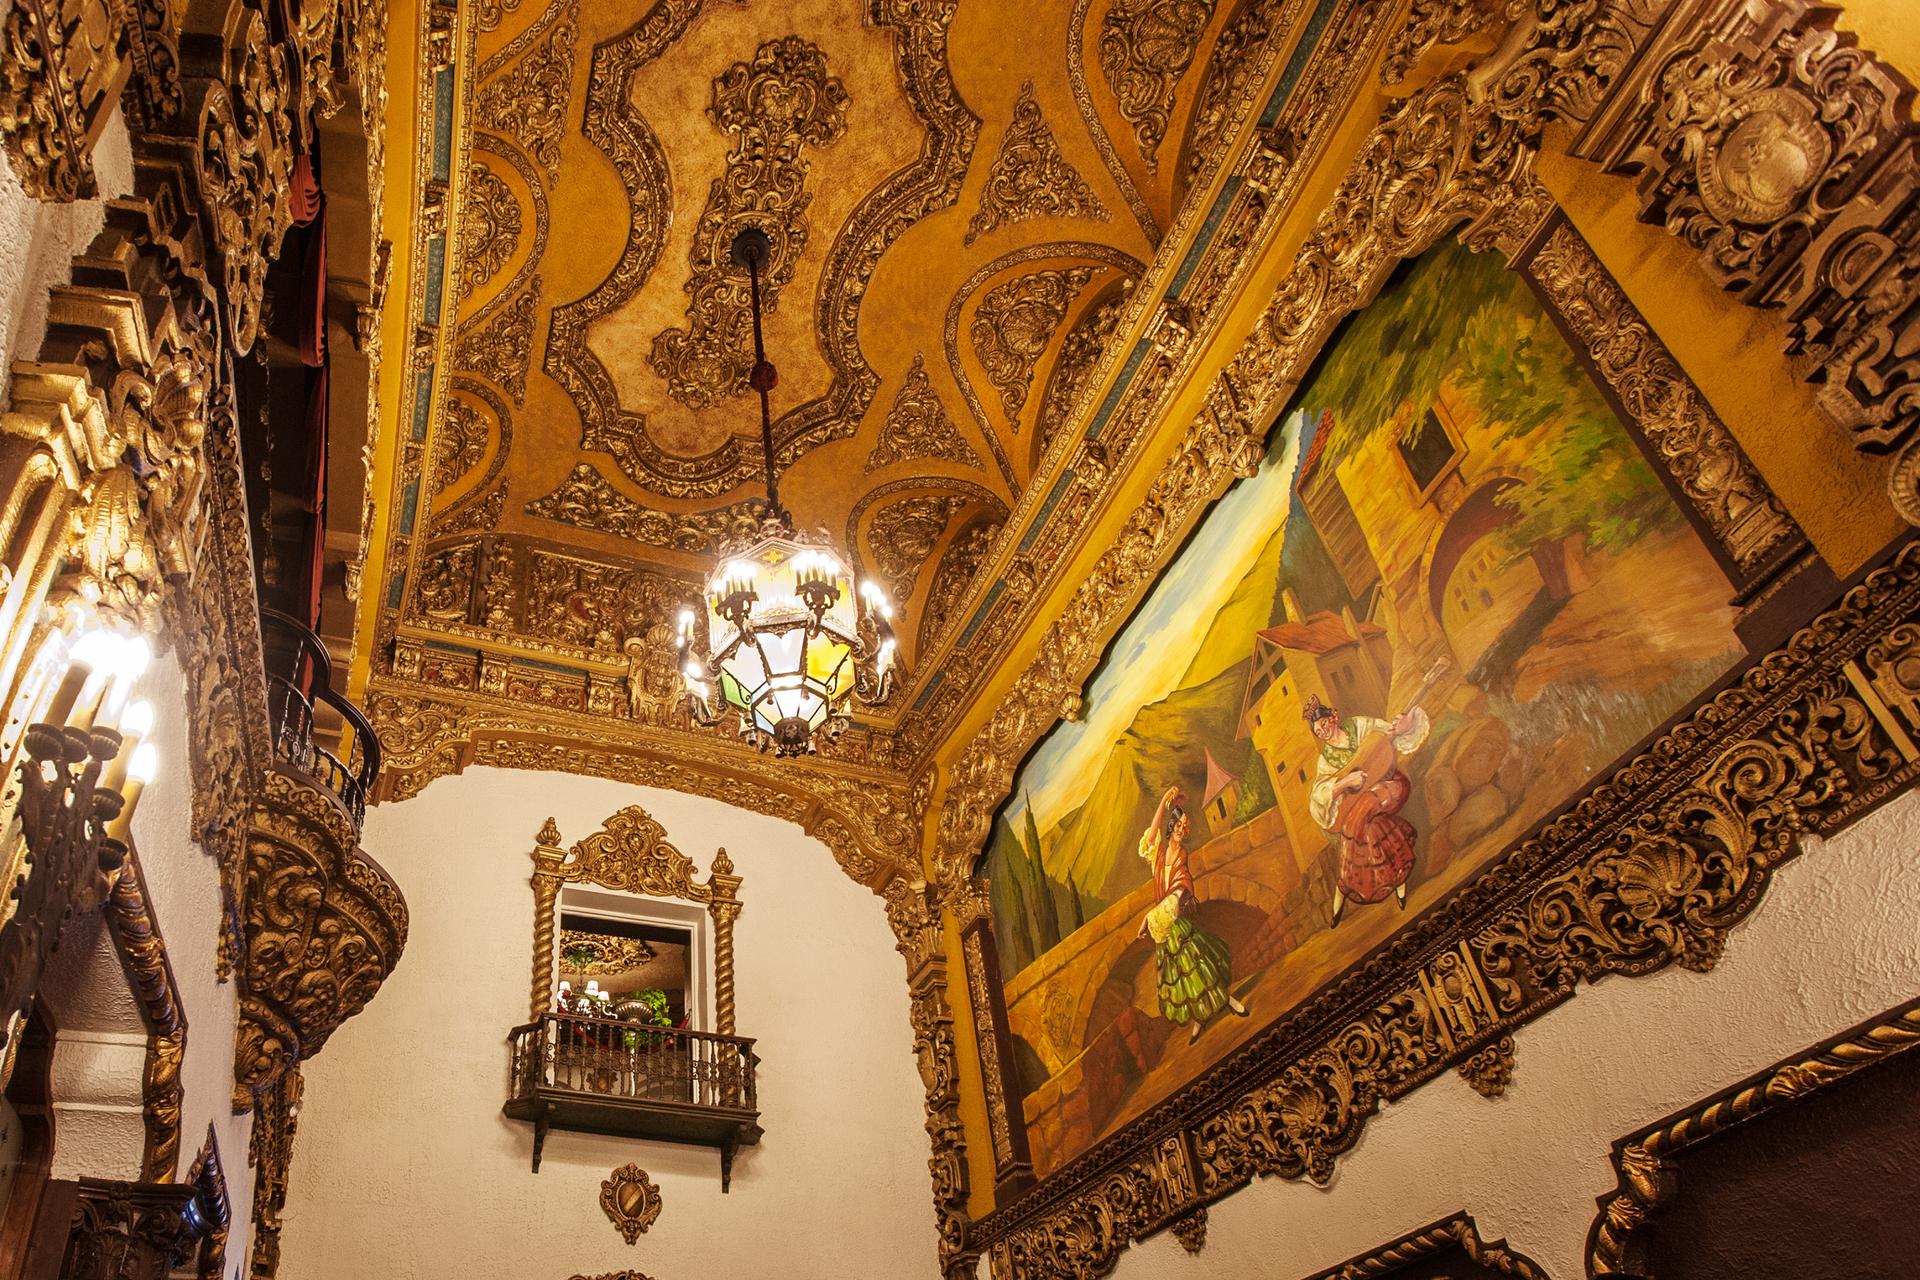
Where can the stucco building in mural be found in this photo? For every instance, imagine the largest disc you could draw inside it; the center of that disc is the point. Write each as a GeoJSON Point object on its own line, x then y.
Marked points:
{"type": "Point", "coordinates": [865, 638]}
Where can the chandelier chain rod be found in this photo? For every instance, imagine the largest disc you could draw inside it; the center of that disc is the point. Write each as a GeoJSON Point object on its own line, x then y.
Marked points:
{"type": "Point", "coordinates": [763, 381]}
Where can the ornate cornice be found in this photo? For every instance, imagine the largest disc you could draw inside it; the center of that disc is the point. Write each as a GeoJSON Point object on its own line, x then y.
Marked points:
{"type": "Point", "coordinates": [865, 816]}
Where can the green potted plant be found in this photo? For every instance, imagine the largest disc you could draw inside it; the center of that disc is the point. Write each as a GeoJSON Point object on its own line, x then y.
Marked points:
{"type": "Point", "coordinates": [644, 1008]}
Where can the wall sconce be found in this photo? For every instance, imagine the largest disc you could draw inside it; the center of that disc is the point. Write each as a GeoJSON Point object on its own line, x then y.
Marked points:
{"type": "Point", "coordinates": [85, 768]}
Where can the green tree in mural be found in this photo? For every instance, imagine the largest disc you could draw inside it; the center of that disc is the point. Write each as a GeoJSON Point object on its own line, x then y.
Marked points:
{"type": "Point", "coordinates": [1588, 478]}
{"type": "Point", "coordinates": [1463, 317]}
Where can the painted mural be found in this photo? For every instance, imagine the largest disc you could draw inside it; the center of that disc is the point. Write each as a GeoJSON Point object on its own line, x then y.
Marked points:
{"type": "Point", "coordinates": [1454, 593]}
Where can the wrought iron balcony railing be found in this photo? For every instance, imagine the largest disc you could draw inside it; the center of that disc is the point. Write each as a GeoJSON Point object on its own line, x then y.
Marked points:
{"type": "Point", "coordinates": [316, 730]}
{"type": "Point", "coordinates": [604, 1075]}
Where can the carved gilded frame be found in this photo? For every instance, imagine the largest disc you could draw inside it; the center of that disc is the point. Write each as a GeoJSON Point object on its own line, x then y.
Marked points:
{"type": "Point", "coordinates": [630, 853]}
{"type": "Point", "coordinates": [1645, 1160]}
{"type": "Point", "coordinates": [1656, 862]}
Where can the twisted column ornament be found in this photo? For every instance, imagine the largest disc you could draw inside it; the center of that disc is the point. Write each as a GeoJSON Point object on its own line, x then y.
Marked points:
{"type": "Point", "coordinates": [725, 909]}
{"type": "Point", "coordinates": [547, 857]}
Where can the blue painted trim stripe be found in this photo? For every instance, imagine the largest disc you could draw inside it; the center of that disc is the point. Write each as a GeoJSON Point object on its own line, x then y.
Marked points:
{"type": "Point", "coordinates": [1108, 405]}
{"type": "Point", "coordinates": [436, 273]}
{"type": "Point", "coordinates": [443, 124]}
{"type": "Point", "coordinates": [422, 402]}
{"type": "Point", "coordinates": [926, 694]}
{"type": "Point", "coordinates": [1040, 519]}
{"type": "Point", "coordinates": [1297, 64]}
{"type": "Point", "coordinates": [980, 614]}
{"type": "Point", "coordinates": [1204, 239]}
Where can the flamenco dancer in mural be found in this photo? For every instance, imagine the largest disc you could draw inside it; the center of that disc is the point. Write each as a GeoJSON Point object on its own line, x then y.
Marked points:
{"type": "Point", "coordinates": [1358, 792]}
{"type": "Point", "coordinates": [1193, 965]}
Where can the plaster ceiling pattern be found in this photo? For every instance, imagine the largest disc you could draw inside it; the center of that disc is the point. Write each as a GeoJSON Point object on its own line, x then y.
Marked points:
{"type": "Point", "coordinates": [957, 215]}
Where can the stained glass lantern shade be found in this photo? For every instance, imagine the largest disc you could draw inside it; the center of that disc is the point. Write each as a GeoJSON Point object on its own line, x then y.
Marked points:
{"type": "Point", "coordinates": [783, 632]}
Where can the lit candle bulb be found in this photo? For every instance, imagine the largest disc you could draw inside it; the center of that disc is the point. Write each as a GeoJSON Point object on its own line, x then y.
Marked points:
{"type": "Point", "coordinates": [68, 693]}
{"type": "Point", "coordinates": [137, 724]}
{"type": "Point", "coordinates": [140, 771]}
{"type": "Point", "coordinates": [99, 652]}
{"type": "Point", "coordinates": [135, 655]}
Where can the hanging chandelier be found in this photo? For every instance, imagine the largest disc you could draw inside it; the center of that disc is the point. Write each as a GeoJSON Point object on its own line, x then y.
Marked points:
{"type": "Point", "coordinates": [790, 641]}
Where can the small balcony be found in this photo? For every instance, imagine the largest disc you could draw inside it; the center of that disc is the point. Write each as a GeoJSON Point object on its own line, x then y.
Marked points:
{"type": "Point", "coordinates": [604, 1075]}
{"type": "Point", "coordinates": [316, 731]}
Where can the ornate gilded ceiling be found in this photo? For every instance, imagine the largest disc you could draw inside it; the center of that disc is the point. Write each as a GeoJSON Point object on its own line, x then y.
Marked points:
{"type": "Point", "coordinates": [961, 197]}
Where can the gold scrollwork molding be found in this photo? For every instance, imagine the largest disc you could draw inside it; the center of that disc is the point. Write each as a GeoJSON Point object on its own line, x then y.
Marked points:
{"type": "Point", "coordinates": [631, 854]}
{"type": "Point", "coordinates": [1030, 178]}
{"type": "Point", "coordinates": [775, 106]}
{"type": "Point", "coordinates": [862, 815]}
{"type": "Point", "coordinates": [143, 953]}
{"type": "Point", "coordinates": [914, 915]}
{"type": "Point", "coordinates": [1621, 1237]}
{"type": "Point", "coordinates": [1784, 154]}
{"type": "Point", "coordinates": [276, 1120]}
{"type": "Point", "coordinates": [64, 66]}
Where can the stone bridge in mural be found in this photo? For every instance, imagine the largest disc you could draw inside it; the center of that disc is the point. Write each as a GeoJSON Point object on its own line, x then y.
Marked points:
{"type": "Point", "coordinates": [1086, 1016]}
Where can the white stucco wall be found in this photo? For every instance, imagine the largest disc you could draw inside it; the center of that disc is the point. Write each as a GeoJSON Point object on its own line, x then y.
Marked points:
{"type": "Point", "coordinates": [404, 1166]}
{"type": "Point", "coordinates": [1836, 941]}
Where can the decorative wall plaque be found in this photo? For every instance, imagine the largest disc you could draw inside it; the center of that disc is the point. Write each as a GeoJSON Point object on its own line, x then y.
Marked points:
{"type": "Point", "coordinates": [630, 1201]}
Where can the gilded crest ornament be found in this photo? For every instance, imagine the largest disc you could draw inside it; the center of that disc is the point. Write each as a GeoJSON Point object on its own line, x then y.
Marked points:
{"type": "Point", "coordinates": [630, 1201]}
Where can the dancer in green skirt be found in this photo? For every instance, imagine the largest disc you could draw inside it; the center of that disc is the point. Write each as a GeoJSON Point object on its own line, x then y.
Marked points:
{"type": "Point", "coordinates": [1193, 965]}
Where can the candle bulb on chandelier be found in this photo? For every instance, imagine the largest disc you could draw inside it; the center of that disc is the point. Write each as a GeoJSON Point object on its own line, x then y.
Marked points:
{"type": "Point", "coordinates": [68, 692]}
